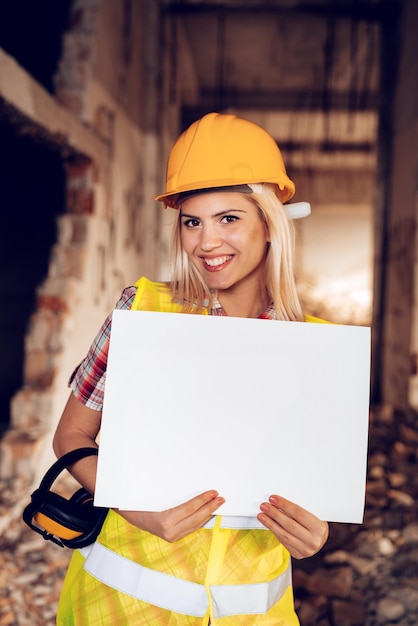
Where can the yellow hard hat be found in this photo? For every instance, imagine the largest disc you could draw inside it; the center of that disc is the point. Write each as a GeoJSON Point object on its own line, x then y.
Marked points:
{"type": "Point", "coordinates": [222, 150]}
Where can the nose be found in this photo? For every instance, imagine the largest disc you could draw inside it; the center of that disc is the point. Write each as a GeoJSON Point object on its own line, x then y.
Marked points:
{"type": "Point", "coordinates": [210, 238]}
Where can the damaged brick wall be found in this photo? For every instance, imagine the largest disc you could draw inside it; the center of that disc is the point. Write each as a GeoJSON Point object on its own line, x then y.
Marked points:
{"type": "Point", "coordinates": [46, 331]}
{"type": "Point", "coordinates": [96, 128]}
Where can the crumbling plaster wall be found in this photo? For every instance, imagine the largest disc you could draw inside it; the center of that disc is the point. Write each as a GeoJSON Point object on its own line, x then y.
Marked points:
{"type": "Point", "coordinates": [109, 235]}
{"type": "Point", "coordinates": [49, 345]}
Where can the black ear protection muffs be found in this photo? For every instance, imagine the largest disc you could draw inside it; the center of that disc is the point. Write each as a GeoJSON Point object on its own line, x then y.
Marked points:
{"type": "Point", "coordinates": [72, 523]}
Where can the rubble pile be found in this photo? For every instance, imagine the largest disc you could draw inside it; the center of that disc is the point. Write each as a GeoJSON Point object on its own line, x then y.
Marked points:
{"type": "Point", "coordinates": [367, 575]}
{"type": "Point", "coordinates": [31, 569]}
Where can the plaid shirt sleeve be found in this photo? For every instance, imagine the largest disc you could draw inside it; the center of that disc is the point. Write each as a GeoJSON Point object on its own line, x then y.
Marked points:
{"type": "Point", "coordinates": [88, 379]}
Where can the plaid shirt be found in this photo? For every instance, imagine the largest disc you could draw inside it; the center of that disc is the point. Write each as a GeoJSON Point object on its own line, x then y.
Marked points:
{"type": "Point", "coordinates": [88, 379]}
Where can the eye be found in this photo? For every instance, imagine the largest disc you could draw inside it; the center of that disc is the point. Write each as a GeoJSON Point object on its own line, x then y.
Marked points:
{"type": "Point", "coordinates": [229, 219]}
{"type": "Point", "coordinates": [190, 222]}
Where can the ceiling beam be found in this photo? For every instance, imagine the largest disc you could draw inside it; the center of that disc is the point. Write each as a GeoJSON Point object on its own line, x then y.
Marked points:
{"type": "Point", "coordinates": [361, 10]}
{"type": "Point", "coordinates": [298, 101]}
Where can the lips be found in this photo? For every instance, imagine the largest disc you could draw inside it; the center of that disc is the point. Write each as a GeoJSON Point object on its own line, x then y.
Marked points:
{"type": "Point", "coordinates": [215, 264]}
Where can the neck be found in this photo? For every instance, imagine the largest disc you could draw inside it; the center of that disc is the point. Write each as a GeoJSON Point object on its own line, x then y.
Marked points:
{"type": "Point", "coordinates": [244, 302]}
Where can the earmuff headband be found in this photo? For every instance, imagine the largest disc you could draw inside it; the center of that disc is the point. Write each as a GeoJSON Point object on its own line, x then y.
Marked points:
{"type": "Point", "coordinates": [73, 523]}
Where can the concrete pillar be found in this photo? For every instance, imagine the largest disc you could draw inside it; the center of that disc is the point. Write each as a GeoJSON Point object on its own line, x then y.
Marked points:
{"type": "Point", "coordinates": [400, 320]}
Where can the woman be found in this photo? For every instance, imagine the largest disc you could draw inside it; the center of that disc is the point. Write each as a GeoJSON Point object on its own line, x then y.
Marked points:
{"type": "Point", "coordinates": [233, 249]}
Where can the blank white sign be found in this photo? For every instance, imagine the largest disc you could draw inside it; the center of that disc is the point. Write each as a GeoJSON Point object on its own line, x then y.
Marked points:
{"type": "Point", "coordinates": [248, 407]}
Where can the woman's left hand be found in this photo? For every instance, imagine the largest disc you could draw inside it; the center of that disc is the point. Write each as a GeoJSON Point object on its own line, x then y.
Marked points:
{"type": "Point", "coordinates": [302, 533]}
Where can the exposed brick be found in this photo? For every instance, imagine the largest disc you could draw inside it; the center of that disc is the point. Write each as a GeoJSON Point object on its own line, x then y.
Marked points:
{"type": "Point", "coordinates": [52, 303]}
{"type": "Point", "coordinates": [17, 449]}
{"type": "Point", "coordinates": [77, 169]}
{"type": "Point", "coordinates": [38, 370]}
{"type": "Point", "coordinates": [80, 201]}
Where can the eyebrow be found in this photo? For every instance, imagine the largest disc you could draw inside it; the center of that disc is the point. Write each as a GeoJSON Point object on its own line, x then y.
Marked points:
{"type": "Point", "coordinates": [226, 212]}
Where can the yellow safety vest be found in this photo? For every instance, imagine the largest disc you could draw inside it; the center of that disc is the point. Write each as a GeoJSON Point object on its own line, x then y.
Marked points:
{"type": "Point", "coordinates": [231, 572]}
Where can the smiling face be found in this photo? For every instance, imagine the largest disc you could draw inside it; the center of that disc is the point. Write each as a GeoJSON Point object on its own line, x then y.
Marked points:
{"type": "Point", "coordinates": [226, 240]}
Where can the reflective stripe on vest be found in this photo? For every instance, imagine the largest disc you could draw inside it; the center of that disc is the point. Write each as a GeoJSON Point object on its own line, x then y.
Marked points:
{"type": "Point", "coordinates": [235, 522]}
{"type": "Point", "coordinates": [178, 595]}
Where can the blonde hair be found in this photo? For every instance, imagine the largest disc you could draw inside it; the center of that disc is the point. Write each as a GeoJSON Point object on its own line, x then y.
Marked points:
{"type": "Point", "coordinates": [189, 288]}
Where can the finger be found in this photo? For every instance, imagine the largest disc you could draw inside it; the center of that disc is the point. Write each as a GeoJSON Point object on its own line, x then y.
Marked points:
{"type": "Point", "coordinates": [189, 516]}
{"type": "Point", "coordinates": [318, 529]}
{"type": "Point", "coordinates": [303, 537]}
{"type": "Point", "coordinates": [192, 506]}
{"type": "Point", "coordinates": [294, 511]}
{"type": "Point", "coordinates": [199, 518]}
{"type": "Point", "coordinates": [294, 545]}
{"type": "Point", "coordinates": [288, 528]}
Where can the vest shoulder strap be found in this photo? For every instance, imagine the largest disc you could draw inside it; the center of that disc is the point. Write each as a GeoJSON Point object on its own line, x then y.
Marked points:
{"type": "Point", "coordinates": [153, 296]}
{"type": "Point", "coordinates": [315, 320]}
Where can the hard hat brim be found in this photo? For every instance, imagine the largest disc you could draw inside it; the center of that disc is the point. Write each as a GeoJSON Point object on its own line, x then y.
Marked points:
{"type": "Point", "coordinates": [285, 190]}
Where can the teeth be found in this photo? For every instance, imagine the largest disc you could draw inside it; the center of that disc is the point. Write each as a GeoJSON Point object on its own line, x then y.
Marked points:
{"type": "Point", "coordinates": [218, 261]}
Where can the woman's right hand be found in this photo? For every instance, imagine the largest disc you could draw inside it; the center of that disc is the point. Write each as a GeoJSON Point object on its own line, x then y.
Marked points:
{"type": "Point", "coordinates": [174, 524]}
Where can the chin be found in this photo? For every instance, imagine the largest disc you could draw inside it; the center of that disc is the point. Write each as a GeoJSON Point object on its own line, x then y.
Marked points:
{"type": "Point", "coordinates": [219, 287]}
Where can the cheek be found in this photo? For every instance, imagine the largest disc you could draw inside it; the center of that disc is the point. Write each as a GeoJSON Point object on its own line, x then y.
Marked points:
{"type": "Point", "coordinates": [257, 237]}
{"type": "Point", "coordinates": [259, 247]}
{"type": "Point", "coordinates": [188, 242]}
